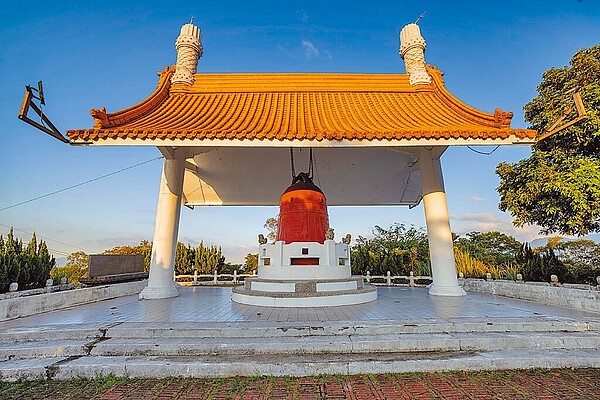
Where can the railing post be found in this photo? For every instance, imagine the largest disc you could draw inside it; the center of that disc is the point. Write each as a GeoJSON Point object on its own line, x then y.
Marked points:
{"type": "Point", "coordinates": [411, 279]}
{"type": "Point", "coordinates": [235, 277]}
{"type": "Point", "coordinates": [389, 278]}
{"type": "Point", "coordinates": [215, 278]}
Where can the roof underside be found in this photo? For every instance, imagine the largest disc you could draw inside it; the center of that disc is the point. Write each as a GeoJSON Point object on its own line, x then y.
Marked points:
{"type": "Point", "coordinates": [268, 109]}
{"type": "Point", "coordinates": [238, 176]}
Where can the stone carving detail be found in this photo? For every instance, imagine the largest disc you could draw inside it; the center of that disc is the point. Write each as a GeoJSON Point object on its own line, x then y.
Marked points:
{"type": "Point", "coordinates": [412, 50]}
{"type": "Point", "coordinates": [329, 235]}
{"type": "Point", "coordinates": [347, 239]}
{"type": "Point", "coordinates": [502, 118]}
{"type": "Point", "coordinates": [262, 239]}
{"type": "Point", "coordinates": [100, 117]}
{"type": "Point", "coordinates": [189, 50]}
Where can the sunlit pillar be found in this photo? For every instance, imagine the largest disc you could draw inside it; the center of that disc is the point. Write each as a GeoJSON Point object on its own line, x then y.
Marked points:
{"type": "Point", "coordinates": [441, 249]}
{"type": "Point", "coordinates": [162, 264]}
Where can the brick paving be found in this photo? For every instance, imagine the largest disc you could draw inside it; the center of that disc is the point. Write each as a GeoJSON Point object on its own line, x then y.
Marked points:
{"type": "Point", "coordinates": [513, 384]}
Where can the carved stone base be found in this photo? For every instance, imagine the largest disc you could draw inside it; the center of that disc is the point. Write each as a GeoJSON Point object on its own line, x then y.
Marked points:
{"type": "Point", "coordinates": [304, 293]}
{"type": "Point", "coordinates": [163, 292]}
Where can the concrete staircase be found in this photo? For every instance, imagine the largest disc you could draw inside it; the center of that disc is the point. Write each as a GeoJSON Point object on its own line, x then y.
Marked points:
{"type": "Point", "coordinates": [224, 349]}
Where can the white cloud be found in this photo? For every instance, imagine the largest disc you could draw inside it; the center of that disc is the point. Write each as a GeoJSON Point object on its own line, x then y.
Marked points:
{"type": "Point", "coordinates": [486, 222]}
{"type": "Point", "coordinates": [477, 199]}
{"type": "Point", "coordinates": [310, 51]}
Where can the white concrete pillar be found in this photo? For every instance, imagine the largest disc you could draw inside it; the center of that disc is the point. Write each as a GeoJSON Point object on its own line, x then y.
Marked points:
{"type": "Point", "coordinates": [166, 227]}
{"type": "Point", "coordinates": [441, 248]}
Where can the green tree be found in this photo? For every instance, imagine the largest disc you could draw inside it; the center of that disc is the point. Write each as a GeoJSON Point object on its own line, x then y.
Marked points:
{"type": "Point", "coordinates": [79, 259]}
{"type": "Point", "coordinates": [29, 266]}
{"type": "Point", "coordinates": [492, 248]}
{"type": "Point", "coordinates": [251, 263]}
{"type": "Point", "coordinates": [271, 225]}
{"type": "Point", "coordinates": [229, 268]}
{"type": "Point", "coordinates": [4, 282]}
{"type": "Point", "coordinates": [45, 263]}
{"type": "Point", "coordinates": [558, 186]}
{"type": "Point", "coordinates": [581, 258]}
{"type": "Point", "coordinates": [539, 265]}
{"type": "Point", "coordinates": [397, 249]}
{"type": "Point", "coordinates": [145, 249]}
{"type": "Point", "coordinates": [14, 247]}
{"type": "Point", "coordinates": [184, 256]}
{"type": "Point", "coordinates": [208, 259]}
{"type": "Point", "coordinates": [76, 268]}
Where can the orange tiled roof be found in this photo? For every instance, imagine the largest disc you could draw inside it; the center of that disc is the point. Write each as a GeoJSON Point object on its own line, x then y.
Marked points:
{"type": "Point", "coordinates": [299, 107]}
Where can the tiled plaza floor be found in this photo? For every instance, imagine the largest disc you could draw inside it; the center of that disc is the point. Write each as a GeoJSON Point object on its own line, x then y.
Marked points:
{"type": "Point", "coordinates": [213, 305]}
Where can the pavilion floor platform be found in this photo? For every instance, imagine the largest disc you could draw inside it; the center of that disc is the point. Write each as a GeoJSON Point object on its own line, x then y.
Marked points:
{"type": "Point", "coordinates": [203, 333]}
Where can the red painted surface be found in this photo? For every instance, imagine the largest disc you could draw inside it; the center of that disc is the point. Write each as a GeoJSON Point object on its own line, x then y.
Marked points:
{"type": "Point", "coordinates": [302, 214]}
{"type": "Point", "coordinates": [304, 261]}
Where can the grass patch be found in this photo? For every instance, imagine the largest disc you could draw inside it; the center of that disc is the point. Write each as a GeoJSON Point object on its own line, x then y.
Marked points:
{"type": "Point", "coordinates": [573, 383]}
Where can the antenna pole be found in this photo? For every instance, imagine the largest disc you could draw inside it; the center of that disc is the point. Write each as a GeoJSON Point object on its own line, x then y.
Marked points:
{"type": "Point", "coordinates": [420, 17]}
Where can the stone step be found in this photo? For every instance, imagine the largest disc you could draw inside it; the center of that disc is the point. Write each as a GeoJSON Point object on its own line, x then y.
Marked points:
{"type": "Point", "coordinates": [132, 330]}
{"type": "Point", "coordinates": [44, 349]}
{"type": "Point", "coordinates": [287, 345]}
{"type": "Point", "coordinates": [295, 365]}
{"type": "Point", "coordinates": [346, 344]}
{"type": "Point", "coordinates": [170, 330]}
{"type": "Point", "coordinates": [54, 332]}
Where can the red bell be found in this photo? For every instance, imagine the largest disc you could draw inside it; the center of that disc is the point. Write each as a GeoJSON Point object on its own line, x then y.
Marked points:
{"type": "Point", "coordinates": [302, 212]}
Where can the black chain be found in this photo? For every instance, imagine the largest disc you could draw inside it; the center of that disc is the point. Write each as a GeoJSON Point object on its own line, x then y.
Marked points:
{"type": "Point", "coordinates": [292, 161]}
{"type": "Point", "coordinates": [310, 164]}
{"type": "Point", "coordinates": [311, 168]}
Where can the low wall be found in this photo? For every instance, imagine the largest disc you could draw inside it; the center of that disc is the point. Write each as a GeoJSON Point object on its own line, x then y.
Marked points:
{"type": "Point", "coordinates": [583, 299]}
{"type": "Point", "coordinates": [36, 304]}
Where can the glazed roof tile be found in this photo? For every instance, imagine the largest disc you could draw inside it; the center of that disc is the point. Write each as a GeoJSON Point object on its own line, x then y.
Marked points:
{"type": "Point", "coordinates": [312, 107]}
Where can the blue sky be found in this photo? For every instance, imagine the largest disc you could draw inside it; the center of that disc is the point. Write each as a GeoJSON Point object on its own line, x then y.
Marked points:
{"type": "Point", "coordinates": [105, 53]}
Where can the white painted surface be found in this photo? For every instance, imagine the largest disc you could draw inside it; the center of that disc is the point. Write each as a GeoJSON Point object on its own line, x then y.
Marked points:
{"type": "Point", "coordinates": [583, 299]}
{"type": "Point", "coordinates": [162, 264]}
{"type": "Point", "coordinates": [280, 254]}
{"type": "Point", "coordinates": [273, 287]}
{"type": "Point", "coordinates": [36, 304]}
{"type": "Point", "coordinates": [322, 301]}
{"type": "Point", "coordinates": [335, 286]}
{"type": "Point", "coordinates": [347, 176]}
{"type": "Point", "coordinates": [304, 272]}
{"type": "Point", "coordinates": [441, 249]}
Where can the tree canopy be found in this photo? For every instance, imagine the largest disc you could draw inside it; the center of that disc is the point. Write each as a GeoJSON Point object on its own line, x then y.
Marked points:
{"type": "Point", "coordinates": [558, 186]}
{"type": "Point", "coordinates": [29, 265]}
{"type": "Point", "coordinates": [492, 248]}
{"type": "Point", "coordinates": [397, 249]}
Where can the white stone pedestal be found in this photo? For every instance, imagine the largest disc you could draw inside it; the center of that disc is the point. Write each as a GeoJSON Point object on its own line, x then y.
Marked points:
{"type": "Point", "coordinates": [283, 283]}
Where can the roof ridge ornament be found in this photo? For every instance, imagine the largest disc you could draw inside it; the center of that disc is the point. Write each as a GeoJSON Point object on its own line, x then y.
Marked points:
{"type": "Point", "coordinates": [189, 50]}
{"type": "Point", "coordinates": [412, 50]}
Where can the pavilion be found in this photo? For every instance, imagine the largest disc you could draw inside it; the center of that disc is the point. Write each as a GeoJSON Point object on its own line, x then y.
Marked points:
{"type": "Point", "coordinates": [377, 140]}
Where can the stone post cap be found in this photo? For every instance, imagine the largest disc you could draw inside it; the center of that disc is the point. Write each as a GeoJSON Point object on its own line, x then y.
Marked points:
{"type": "Point", "coordinates": [189, 50]}
{"type": "Point", "coordinates": [410, 37]}
{"type": "Point", "coordinates": [191, 36]}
